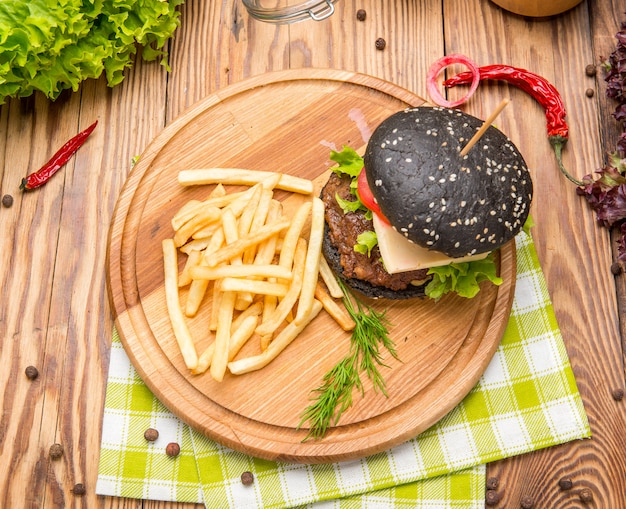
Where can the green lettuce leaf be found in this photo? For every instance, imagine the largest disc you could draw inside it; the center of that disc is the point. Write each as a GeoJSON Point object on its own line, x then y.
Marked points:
{"type": "Point", "coordinates": [366, 241]}
{"type": "Point", "coordinates": [348, 162]}
{"type": "Point", "coordinates": [462, 278]}
{"type": "Point", "coordinates": [54, 45]}
{"type": "Point", "coordinates": [348, 205]}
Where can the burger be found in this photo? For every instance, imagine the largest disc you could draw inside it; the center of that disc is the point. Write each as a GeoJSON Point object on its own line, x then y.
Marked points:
{"type": "Point", "coordinates": [415, 217]}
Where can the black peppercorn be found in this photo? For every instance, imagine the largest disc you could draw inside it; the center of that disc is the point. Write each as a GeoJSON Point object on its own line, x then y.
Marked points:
{"type": "Point", "coordinates": [616, 268]}
{"type": "Point", "coordinates": [361, 14]}
{"type": "Point", "coordinates": [151, 434]}
{"type": "Point", "coordinates": [381, 43]}
{"type": "Point", "coordinates": [618, 394]}
{"type": "Point", "coordinates": [565, 484]}
{"type": "Point", "coordinates": [589, 92]}
{"type": "Point", "coordinates": [56, 451]}
{"type": "Point", "coordinates": [586, 495]}
{"type": "Point", "coordinates": [172, 449]}
{"type": "Point", "coordinates": [79, 489]}
{"type": "Point", "coordinates": [527, 503]}
{"type": "Point", "coordinates": [492, 497]}
{"type": "Point", "coordinates": [590, 70]}
{"type": "Point", "coordinates": [492, 483]}
{"type": "Point", "coordinates": [31, 372]}
{"type": "Point", "coordinates": [7, 200]}
{"type": "Point", "coordinates": [247, 478]}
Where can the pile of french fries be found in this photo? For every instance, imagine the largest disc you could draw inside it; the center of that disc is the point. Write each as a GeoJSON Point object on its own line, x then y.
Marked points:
{"type": "Point", "coordinates": [255, 267]}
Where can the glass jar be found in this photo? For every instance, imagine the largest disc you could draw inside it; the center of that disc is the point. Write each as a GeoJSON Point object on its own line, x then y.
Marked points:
{"type": "Point", "coordinates": [283, 11]}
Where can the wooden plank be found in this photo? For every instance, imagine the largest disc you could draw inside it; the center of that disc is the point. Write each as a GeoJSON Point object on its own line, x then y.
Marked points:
{"type": "Point", "coordinates": [35, 129]}
{"type": "Point", "coordinates": [79, 326]}
{"type": "Point", "coordinates": [605, 23]}
{"type": "Point", "coordinates": [574, 253]}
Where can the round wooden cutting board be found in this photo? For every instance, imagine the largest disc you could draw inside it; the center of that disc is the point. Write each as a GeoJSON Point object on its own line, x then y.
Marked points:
{"type": "Point", "coordinates": [287, 122]}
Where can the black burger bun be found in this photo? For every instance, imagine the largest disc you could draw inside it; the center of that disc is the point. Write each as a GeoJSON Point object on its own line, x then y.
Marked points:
{"type": "Point", "coordinates": [439, 200]}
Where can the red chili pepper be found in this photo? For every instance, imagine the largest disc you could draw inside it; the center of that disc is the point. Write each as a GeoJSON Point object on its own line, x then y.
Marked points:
{"type": "Point", "coordinates": [41, 176]}
{"type": "Point", "coordinates": [541, 90]}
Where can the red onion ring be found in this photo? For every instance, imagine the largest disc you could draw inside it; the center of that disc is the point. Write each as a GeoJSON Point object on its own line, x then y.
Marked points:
{"type": "Point", "coordinates": [438, 66]}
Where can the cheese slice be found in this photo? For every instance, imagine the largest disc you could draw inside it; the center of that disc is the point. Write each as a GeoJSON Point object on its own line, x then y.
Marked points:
{"type": "Point", "coordinates": [400, 255]}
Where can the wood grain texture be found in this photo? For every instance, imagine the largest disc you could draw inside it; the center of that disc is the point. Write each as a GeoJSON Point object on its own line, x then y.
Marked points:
{"type": "Point", "coordinates": [249, 125]}
{"type": "Point", "coordinates": [577, 271]}
{"type": "Point", "coordinates": [216, 45]}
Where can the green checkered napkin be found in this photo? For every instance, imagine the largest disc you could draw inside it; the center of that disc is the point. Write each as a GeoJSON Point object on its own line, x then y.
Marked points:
{"type": "Point", "coordinates": [526, 400]}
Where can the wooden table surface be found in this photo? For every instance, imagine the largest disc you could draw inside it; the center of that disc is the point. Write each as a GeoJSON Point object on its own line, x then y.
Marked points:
{"type": "Point", "coordinates": [54, 312]}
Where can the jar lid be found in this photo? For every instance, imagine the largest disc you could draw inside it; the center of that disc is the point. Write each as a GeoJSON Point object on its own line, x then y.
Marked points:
{"type": "Point", "coordinates": [281, 12]}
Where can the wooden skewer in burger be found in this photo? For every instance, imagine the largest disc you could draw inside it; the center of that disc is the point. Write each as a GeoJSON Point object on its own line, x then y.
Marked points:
{"type": "Point", "coordinates": [430, 198]}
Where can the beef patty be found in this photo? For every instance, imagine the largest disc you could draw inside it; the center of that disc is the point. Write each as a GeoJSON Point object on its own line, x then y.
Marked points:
{"type": "Point", "coordinates": [342, 232]}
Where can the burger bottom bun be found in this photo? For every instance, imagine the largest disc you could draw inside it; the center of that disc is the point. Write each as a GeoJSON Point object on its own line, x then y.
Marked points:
{"type": "Point", "coordinates": [331, 253]}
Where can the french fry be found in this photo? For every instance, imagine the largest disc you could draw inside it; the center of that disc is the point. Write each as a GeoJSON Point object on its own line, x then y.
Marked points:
{"type": "Point", "coordinates": [260, 215]}
{"type": "Point", "coordinates": [265, 254]}
{"type": "Point", "coordinates": [288, 302]}
{"type": "Point", "coordinates": [242, 330]}
{"type": "Point", "coordinates": [219, 191]}
{"type": "Point", "coordinates": [206, 231]}
{"type": "Point", "coordinates": [240, 271]}
{"type": "Point", "coordinates": [267, 249]}
{"type": "Point", "coordinates": [205, 217]}
{"type": "Point", "coordinates": [270, 182]}
{"type": "Point", "coordinates": [238, 206]}
{"type": "Point", "coordinates": [247, 215]}
{"type": "Point", "coordinates": [192, 207]}
{"type": "Point", "coordinates": [292, 234]}
{"type": "Point", "coordinates": [241, 335]}
{"type": "Point", "coordinates": [198, 287]}
{"type": "Point", "coordinates": [179, 325]}
{"type": "Point", "coordinates": [186, 212]}
{"type": "Point", "coordinates": [339, 313]}
{"type": "Point", "coordinates": [204, 361]}
{"type": "Point", "coordinates": [280, 342]}
{"type": "Point", "coordinates": [217, 297]}
{"type": "Point", "coordinates": [229, 226]}
{"type": "Point", "coordinates": [214, 244]}
{"type": "Point", "coordinates": [312, 267]}
{"type": "Point", "coordinates": [195, 296]}
{"type": "Point", "coordinates": [219, 360]}
{"type": "Point", "coordinates": [237, 176]}
{"type": "Point", "coordinates": [217, 198]}
{"type": "Point", "coordinates": [232, 230]}
{"type": "Point", "coordinates": [254, 310]}
{"type": "Point", "coordinates": [193, 259]}
{"type": "Point", "coordinates": [197, 244]}
{"type": "Point", "coordinates": [330, 280]}
{"type": "Point", "coordinates": [269, 305]}
{"type": "Point", "coordinates": [265, 341]}
{"type": "Point", "coordinates": [244, 299]}
{"type": "Point", "coordinates": [240, 245]}
{"type": "Point", "coordinates": [232, 284]}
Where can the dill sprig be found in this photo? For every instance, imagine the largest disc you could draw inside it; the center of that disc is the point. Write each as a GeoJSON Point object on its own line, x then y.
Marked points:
{"type": "Point", "coordinates": [334, 396]}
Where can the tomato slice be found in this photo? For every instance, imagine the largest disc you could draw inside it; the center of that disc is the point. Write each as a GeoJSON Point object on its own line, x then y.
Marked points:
{"type": "Point", "coordinates": [366, 196]}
